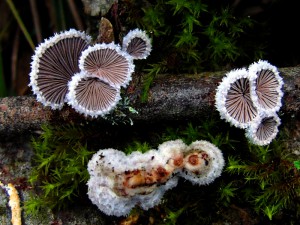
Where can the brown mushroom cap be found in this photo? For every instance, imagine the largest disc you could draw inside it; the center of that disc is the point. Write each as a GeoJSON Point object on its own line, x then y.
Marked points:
{"type": "Point", "coordinates": [137, 44]}
{"type": "Point", "coordinates": [54, 63]}
{"type": "Point", "coordinates": [233, 99]}
{"type": "Point", "coordinates": [265, 86]}
{"type": "Point", "coordinates": [108, 63]}
{"type": "Point", "coordinates": [92, 96]}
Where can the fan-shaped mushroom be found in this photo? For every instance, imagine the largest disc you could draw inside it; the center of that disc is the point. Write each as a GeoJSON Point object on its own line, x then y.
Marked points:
{"type": "Point", "coordinates": [264, 130]}
{"type": "Point", "coordinates": [91, 96]}
{"type": "Point", "coordinates": [265, 86]}
{"type": "Point", "coordinates": [54, 63]}
{"type": "Point", "coordinates": [233, 99]}
{"type": "Point", "coordinates": [108, 63]}
{"type": "Point", "coordinates": [137, 44]}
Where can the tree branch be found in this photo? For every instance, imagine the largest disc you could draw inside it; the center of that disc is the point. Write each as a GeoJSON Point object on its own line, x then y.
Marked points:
{"type": "Point", "coordinates": [171, 97]}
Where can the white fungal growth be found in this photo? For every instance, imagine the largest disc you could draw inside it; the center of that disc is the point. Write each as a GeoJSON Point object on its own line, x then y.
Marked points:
{"type": "Point", "coordinates": [119, 182]}
{"type": "Point", "coordinates": [203, 163]}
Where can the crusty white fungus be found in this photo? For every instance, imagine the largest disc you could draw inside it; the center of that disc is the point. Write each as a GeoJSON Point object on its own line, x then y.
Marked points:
{"type": "Point", "coordinates": [203, 163]}
{"type": "Point", "coordinates": [119, 182]}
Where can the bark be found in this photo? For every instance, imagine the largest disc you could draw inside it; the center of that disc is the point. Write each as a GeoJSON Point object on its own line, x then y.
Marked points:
{"type": "Point", "coordinates": [171, 97]}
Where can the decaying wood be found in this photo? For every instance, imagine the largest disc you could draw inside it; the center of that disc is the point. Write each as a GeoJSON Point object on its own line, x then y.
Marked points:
{"type": "Point", "coordinates": [171, 97]}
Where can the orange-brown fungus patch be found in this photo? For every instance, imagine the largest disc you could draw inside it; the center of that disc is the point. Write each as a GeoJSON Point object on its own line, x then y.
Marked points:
{"type": "Point", "coordinates": [161, 174]}
{"type": "Point", "coordinates": [193, 159]}
{"type": "Point", "coordinates": [178, 161]}
{"type": "Point", "coordinates": [134, 179]}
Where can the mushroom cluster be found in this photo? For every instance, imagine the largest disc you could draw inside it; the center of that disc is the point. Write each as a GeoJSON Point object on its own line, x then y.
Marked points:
{"type": "Point", "coordinates": [250, 99]}
{"type": "Point", "coordinates": [68, 68]}
{"type": "Point", "coordinates": [119, 182]}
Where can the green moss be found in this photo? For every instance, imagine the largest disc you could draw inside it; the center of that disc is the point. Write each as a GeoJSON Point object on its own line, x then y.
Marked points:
{"type": "Point", "coordinates": [271, 184]}
{"type": "Point", "coordinates": [3, 210]}
{"type": "Point", "coordinates": [262, 179]}
{"type": "Point", "coordinates": [297, 164]}
{"type": "Point", "coordinates": [194, 36]}
{"type": "Point", "coordinates": [59, 167]}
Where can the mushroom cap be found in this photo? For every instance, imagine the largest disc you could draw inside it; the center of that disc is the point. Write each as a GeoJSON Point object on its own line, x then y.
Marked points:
{"type": "Point", "coordinates": [265, 86]}
{"type": "Point", "coordinates": [91, 96]}
{"type": "Point", "coordinates": [204, 162]}
{"type": "Point", "coordinates": [264, 130]}
{"type": "Point", "coordinates": [233, 99]}
{"type": "Point", "coordinates": [54, 63]}
{"type": "Point", "coordinates": [137, 44]}
{"type": "Point", "coordinates": [109, 63]}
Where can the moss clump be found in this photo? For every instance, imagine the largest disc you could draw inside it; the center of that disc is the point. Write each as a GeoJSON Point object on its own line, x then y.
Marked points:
{"type": "Point", "coordinates": [59, 167]}
{"type": "Point", "coordinates": [267, 179]}
{"type": "Point", "coordinates": [262, 180]}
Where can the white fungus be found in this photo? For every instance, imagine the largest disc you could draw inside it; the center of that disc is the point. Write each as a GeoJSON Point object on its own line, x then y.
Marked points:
{"type": "Point", "coordinates": [119, 182]}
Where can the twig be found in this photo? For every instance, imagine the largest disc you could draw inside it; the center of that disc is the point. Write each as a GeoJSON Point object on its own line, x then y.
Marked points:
{"type": "Point", "coordinates": [14, 59]}
{"type": "Point", "coordinates": [20, 22]}
{"type": "Point", "coordinates": [36, 20]}
{"type": "Point", "coordinates": [75, 15]}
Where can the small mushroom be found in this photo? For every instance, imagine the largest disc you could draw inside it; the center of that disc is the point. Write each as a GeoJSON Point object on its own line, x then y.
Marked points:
{"type": "Point", "coordinates": [54, 63]}
{"type": "Point", "coordinates": [233, 99]}
{"type": "Point", "coordinates": [265, 86]}
{"type": "Point", "coordinates": [108, 63]}
{"type": "Point", "coordinates": [137, 44]}
{"type": "Point", "coordinates": [92, 96]}
{"type": "Point", "coordinates": [264, 130]}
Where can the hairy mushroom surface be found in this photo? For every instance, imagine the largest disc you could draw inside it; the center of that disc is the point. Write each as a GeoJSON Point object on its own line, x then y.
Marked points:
{"type": "Point", "coordinates": [91, 96]}
{"type": "Point", "coordinates": [264, 130]}
{"type": "Point", "coordinates": [54, 63]}
{"type": "Point", "coordinates": [119, 182]}
{"type": "Point", "coordinates": [203, 162]}
{"type": "Point", "coordinates": [265, 86]}
{"type": "Point", "coordinates": [233, 99]}
{"type": "Point", "coordinates": [108, 63]}
{"type": "Point", "coordinates": [137, 44]}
